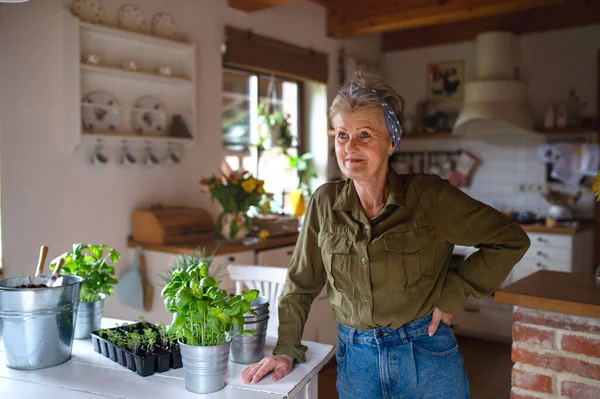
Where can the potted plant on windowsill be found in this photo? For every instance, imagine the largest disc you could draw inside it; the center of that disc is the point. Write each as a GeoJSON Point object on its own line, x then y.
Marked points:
{"type": "Point", "coordinates": [95, 264]}
{"type": "Point", "coordinates": [203, 320]}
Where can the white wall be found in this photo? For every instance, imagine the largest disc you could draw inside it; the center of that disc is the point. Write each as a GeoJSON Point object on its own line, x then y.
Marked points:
{"type": "Point", "coordinates": [552, 63]}
{"type": "Point", "coordinates": [51, 197]}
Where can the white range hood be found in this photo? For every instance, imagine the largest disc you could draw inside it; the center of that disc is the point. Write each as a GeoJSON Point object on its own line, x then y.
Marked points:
{"type": "Point", "coordinates": [495, 104]}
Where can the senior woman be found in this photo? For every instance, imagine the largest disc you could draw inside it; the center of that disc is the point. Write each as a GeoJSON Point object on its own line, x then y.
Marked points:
{"type": "Point", "coordinates": [382, 243]}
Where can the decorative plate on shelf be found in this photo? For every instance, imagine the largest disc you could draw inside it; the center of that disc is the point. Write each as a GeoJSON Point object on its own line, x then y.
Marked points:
{"type": "Point", "coordinates": [88, 10]}
{"type": "Point", "coordinates": [130, 17]}
{"type": "Point", "coordinates": [151, 118]}
{"type": "Point", "coordinates": [163, 25]}
{"type": "Point", "coordinates": [106, 118]}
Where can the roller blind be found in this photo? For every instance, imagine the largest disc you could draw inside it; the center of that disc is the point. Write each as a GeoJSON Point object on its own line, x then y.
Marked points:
{"type": "Point", "coordinates": [246, 50]}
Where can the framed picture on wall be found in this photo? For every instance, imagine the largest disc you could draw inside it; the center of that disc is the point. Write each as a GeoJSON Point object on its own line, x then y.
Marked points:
{"type": "Point", "coordinates": [446, 81]}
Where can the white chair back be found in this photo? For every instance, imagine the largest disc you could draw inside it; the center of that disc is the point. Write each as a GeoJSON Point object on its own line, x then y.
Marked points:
{"type": "Point", "coordinates": [268, 280]}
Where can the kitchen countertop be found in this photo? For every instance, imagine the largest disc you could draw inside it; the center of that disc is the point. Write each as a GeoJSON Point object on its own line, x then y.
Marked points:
{"type": "Point", "coordinates": [223, 247]}
{"type": "Point", "coordinates": [562, 292]}
{"type": "Point", "coordinates": [220, 246]}
{"type": "Point", "coordinates": [541, 228]}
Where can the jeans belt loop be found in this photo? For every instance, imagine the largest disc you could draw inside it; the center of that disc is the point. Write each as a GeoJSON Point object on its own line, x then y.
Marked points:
{"type": "Point", "coordinates": [351, 336]}
{"type": "Point", "coordinates": [403, 335]}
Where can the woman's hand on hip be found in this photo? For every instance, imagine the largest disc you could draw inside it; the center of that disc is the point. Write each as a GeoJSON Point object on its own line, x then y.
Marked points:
{"type": "Point", "coordinates": [281, 365]}
{"type": "Point", "coordinates": [436, 317]}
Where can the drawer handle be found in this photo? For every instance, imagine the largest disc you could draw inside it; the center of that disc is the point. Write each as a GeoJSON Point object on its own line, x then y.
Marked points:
{"type": "Point", "coordinates": [539, 264]}
{"type": "Point", "coordinates": [231, 259]}
{"type": "Point", "coordinates": [471, 310]}
{"type": "Point", "coordinates": [540, 253]}
{"type": "Point", "coordinates": [540, 239]}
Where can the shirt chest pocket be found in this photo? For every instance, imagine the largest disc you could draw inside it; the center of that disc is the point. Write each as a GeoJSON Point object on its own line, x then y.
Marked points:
{"type": "Point", "coordinates": [337, 259]}
{"type": "Point", "coordinates": [410, 260]}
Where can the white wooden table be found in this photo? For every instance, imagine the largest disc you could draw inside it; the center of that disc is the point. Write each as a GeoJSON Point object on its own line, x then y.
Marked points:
{"type": "Point", "coordinates": [89, 374]}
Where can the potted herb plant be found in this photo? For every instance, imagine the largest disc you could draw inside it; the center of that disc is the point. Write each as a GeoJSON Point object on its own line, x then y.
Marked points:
{"type": "Point", "coordinates": [95, 264]}
{"type": "Point", "coordinates": [203, 320]}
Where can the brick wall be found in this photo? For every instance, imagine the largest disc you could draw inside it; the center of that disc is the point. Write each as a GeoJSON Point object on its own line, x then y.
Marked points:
{"type": "Point", "coordinates": [556, 355]}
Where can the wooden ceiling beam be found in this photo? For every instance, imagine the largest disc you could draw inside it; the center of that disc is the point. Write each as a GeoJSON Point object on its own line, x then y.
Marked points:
{"type": "Point", "coordinates": [255, 5]}
{"type": "Point", "coordinates": [359, 17]}
{"type": "Point", "coordinates": [560, 16]}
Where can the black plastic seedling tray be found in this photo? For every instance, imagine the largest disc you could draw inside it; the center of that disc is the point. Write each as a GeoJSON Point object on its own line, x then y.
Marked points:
{"type": "Point", "coordinates": [158, 360]}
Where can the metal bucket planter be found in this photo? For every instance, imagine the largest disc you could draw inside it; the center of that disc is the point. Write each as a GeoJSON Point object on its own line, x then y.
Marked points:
{"type": "Point", "coordinates": [204, 367]}
{"type": "Point", "coordinates": [89, 317]}
{"type": "Point", "coordinates": [247, 350]}
{"type": "Point", "coordinates": [37, 324]}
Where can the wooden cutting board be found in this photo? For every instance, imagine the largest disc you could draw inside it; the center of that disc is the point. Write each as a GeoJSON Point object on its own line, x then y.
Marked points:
{"type": "Point", "coordinates": [147, 286]}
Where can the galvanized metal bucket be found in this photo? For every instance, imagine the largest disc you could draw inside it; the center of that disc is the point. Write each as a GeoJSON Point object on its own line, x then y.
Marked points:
{"type": "Point", "coordinates": [89, 317]}
{"type": "Point", "coordinates": [37, 324]}
{"type": "Point", "coordinates": [247, 350]}
{"type": "Point", "coordinates": [204, 367]}
{"type": "Point", "coordinates": [259, 303]}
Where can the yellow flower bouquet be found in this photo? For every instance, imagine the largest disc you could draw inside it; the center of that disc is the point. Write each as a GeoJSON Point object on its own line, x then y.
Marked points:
{"type": "Point", "coordinates": [236, 193]}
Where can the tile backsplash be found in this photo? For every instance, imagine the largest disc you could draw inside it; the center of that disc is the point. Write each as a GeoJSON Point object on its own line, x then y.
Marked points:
{"type": "Point", "coordinates": [509, 176]}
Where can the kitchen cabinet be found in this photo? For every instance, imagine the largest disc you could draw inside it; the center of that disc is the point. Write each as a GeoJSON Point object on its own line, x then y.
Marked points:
{"type": "Point", "coordinates": [558, 252]}
{"type": "Point", "coordinates": [275, 257]}
{"type": "Point", "coordinates": [572, 253]}
{"type": "Point", "coordinates": [321, 325]}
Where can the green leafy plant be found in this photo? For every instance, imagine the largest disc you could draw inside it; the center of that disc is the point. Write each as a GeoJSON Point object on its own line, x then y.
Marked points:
{"type": "Point", "coordinates": [273, 122]}
{"type": "Point", "coordinates": [149, 338]}
{"type": "Point", "coordinates": [203, 315]}
{"type": "Point", "coordinates": [95, 264]}
{"type": "Point", "coordinates": [303, 164]}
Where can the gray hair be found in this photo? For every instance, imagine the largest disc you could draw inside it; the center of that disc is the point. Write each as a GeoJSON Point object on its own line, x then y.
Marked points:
{"type": "Point", "coordinates": [349, 99]}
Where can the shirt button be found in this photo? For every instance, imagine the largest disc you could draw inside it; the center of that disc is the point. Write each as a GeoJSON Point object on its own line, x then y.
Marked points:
{"type": "Point", "coordinates": [366, 299]}
{"type": "Point", "coordinates": [367, 227]}
{"type": "Point", "coordinates": [363, 261]}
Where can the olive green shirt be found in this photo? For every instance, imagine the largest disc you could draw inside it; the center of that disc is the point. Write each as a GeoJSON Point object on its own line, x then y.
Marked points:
{"type": "Point", "coordinates": [393, 269]}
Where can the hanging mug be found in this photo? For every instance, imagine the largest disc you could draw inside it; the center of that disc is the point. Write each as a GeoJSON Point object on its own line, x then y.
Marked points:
{"type": "Point", "coordinates": [99, 157]}
{"type": "Point", "coordinates": [150, 158]}
{"type": "Point", "coordinates": [128, 159]}
{"type": "Point", "coordinates": [172, 158]}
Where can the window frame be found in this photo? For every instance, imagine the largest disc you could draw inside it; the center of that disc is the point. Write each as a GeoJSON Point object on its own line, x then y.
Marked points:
{"type": "Point", "coordinates": [250, 150]}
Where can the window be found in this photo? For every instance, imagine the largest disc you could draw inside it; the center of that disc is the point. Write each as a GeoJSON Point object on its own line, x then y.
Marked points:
{"type": "Point", "coordinates": [243, 92]}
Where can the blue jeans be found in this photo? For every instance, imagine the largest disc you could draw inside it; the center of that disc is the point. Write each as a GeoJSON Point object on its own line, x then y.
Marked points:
{"type": "Point", "coordinates": [403, 363]}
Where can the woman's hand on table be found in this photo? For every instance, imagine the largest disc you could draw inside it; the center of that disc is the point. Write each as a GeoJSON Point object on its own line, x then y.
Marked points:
{"type": "Point", "coordinates": [436, 317]}
{"type": "Point", "coordinates": [281, 365]}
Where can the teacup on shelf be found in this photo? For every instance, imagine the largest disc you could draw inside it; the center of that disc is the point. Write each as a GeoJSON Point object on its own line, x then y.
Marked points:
{"type": "Point", "coordinates": [130, 66]}
{"type": "Point", "coordinates": [165, 70]}
{"type": "Point", "coordinates": [92, 59]}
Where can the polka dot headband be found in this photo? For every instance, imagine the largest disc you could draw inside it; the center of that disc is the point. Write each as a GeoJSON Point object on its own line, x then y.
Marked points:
{"type": "Point", "coordinates": [391, 120]}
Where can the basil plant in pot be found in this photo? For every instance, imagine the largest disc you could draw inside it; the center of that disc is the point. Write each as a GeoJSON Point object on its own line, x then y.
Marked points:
{"type": "Point", "coordinates": [203, 320]}
{"type": "Point", "coordinates": [95, 264]}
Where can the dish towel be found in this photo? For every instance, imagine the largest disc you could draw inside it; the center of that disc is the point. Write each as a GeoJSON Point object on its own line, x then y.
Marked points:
{"type": "Point", "coordinates": [130, 288]}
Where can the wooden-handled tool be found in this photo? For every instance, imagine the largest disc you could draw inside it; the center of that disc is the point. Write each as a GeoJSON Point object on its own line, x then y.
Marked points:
{"type": "Point", "coordinates": [53, 279]}
{"type": "Point", "coordinates": [40, 266]}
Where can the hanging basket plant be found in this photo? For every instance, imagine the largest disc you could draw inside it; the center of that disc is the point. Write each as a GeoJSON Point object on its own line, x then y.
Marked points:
{"type": "Point", "coordinates": [274, 128]}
